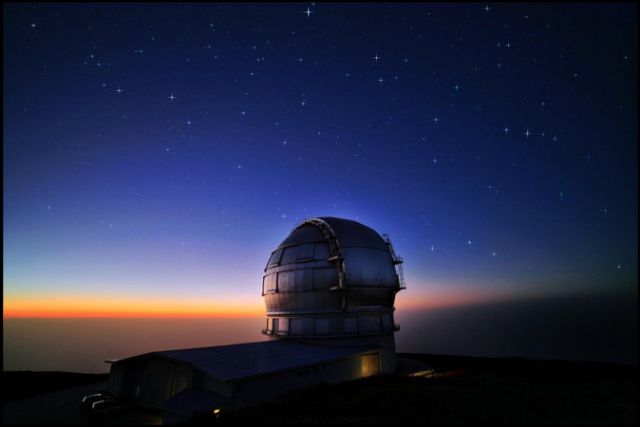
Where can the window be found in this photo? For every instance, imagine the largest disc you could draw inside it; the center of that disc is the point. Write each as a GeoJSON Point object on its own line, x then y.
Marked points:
{"type": "Point", "coordinates": [283, 325]}
{"type": "Point", "coordinates": [298, 253]}
{"type": "Point", "coordinates": [285, 281]}
{"type": "Point", "coordinates": [275, 258]}
{"type": "Point", "coordinates": [269, 284]}
{"type": "Point", "coordinates": [370, 323]}
{"type": "Point", "coordinates": [304, 252]}
{"type": "Point", "coordinates": [289, 255]}
{"type": "Point", "coordinates": [295, 280]}
{"type": "Point", "coordinates": [301, 326]}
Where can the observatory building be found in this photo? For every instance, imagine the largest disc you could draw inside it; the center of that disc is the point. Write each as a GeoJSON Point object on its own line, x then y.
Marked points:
{"type": "Point", "coordinates": [329, 290]}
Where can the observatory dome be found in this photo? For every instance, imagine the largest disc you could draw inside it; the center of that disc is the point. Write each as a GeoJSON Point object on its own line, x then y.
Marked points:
{"type": "Point", "coordinates": [331, 278]}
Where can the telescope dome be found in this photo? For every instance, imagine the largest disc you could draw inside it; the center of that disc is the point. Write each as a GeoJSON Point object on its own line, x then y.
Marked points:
{"type": "Point", "coordinates": [331, 277]}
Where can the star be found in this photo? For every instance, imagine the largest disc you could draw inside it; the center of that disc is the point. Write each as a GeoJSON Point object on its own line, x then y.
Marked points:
{"type": "Point", "coordinates": [283, 216]}
{"type": "Point", "coordinates": [171, 97]}
{"type": "Point", "coordinates": [561, 195]}
{"type": "Point", "coordinates": [243, 113]}
{"type": "Point", "coordinates": [406, 60]}
{"type": "Point", "coordinates": [189, 122]}
{"type": "Point", "coordinates": [239, 166]}
{"type": "Point", "coordinates": [469, 242]}
{"type": "Point", "coordinates": [434, 160]}
{"type": "Point", "coordinates": [284, 142]}
{"type": "Point", "coordinates": [456, 87]}
{"type": "Point", "coordinates": [432, 248]}
{"type": "Point", "coordinates": [506, 129]}
{"type": "Point", "coordinates": [380, 80]}
{"type": "Point", "coordinates": [527, 133]}
{"type": "Point", "coordinates": [435, 119]}
{"type": "Point", "coordinates": [618, 266]}
{"type": "Point", "coordinates": [493, 253]}
{"type": "Point", "coordinates": [119, 91]}
{"type": "Point", "coordinates": [33, 25]}
{"type": "Point", "coordinates": [308, 12]}
{"type": "Point", "coordinates": [487, 8]}
{"type": "Point", "coordinates": [376, 57]}
{"type": "Point", "coordinates": [303, 103]}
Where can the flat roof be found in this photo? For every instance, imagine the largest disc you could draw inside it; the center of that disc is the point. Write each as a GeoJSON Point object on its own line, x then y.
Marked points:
{"type": "Point", "coordinates": [237, 361]}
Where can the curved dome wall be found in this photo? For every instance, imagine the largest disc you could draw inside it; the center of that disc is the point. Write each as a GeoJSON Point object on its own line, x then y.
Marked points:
{"type": "Point", "coordinates": [331, 277]}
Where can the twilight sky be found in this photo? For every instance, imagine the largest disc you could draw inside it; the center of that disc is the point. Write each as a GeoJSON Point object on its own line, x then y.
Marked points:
{"type": "Point", "coordinates": [154, 154]}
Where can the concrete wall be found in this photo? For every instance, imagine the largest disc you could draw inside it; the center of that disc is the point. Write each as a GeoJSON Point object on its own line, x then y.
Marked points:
{"type": "Point", "coordinates": [149, 380]}
{"type": "Point", "coordinates": [385, 342]}
{"type": "Point", "coordinates": [253, 390]}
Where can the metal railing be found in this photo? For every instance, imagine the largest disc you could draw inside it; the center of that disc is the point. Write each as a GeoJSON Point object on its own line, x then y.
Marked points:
{"type": "Point", "coordinates": [397, 262]}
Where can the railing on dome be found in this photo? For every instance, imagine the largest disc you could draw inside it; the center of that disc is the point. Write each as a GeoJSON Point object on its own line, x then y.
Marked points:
{"type": "Point", "coordinates": [397, 262]}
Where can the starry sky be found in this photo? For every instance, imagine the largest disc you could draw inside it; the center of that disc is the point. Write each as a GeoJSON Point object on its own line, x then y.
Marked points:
{"type": "Point", "coordinates": [154, 154]}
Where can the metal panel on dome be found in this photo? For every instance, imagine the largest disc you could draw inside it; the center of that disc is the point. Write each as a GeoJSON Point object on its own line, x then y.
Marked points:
{"type": "Point", "coordinates": [369, 267]}
{"type": "Point", "coordinates": [304, 234]}
{"type": "Point", "coordinates": [355, 235]}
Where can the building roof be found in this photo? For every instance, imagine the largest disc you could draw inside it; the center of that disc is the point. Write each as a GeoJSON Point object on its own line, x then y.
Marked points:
{"type": "Point", "coordinates": [231, 362]}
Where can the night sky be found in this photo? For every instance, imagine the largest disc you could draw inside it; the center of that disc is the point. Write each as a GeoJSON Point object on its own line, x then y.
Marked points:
{"type": "Point", "coordinates": [154, 154]}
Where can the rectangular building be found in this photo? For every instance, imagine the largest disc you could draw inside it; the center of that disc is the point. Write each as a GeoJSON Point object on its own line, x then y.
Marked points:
{"type": "Point", "coordinates": [183, 382]}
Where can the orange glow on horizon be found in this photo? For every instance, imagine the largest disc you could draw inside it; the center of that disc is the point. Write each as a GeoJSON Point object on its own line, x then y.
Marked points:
{"type": "Point", "coordinates": [435, 298]}
{"type": "Point", "coordinates": [76, 306]}
{"type": "Point", "coordinates": [60, 307]}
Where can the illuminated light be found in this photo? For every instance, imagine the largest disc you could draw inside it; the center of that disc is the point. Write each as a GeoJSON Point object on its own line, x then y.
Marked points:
{"type": "Point", "coordinates": [216, 412]}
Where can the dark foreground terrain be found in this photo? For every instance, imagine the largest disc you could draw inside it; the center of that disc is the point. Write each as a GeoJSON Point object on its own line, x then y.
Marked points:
{"type": "Point", "coordinates": [22, 384]}
{"type": "Point", "coordinates": [465, 390]}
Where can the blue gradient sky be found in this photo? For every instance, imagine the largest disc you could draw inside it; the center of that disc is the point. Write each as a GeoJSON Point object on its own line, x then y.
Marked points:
{"type": "Point", "coordinates": [114, 190]}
